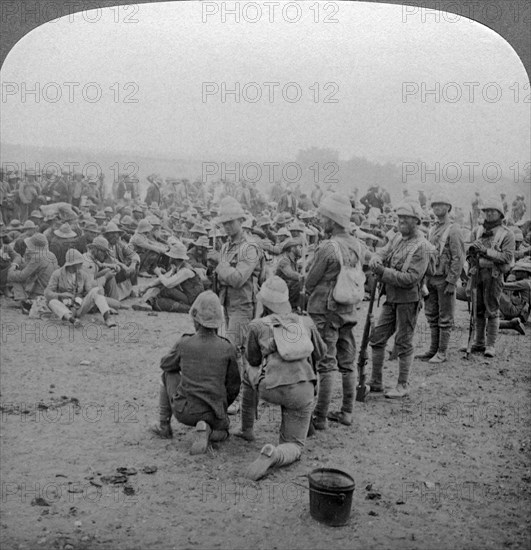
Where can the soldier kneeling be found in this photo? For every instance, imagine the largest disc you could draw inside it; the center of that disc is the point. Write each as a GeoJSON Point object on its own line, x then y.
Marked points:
{"type": "Point", "coordinates": [200, 379]}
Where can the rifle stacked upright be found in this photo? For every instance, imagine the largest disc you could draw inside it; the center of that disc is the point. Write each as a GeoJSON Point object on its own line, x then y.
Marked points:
{"type": "Point", "coordinates": [472, 297]}
{"type": "Point", "coordinates": [362, 390]}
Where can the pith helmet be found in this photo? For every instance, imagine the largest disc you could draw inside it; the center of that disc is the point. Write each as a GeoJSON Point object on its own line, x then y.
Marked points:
{"type": "Point", "coordinates": [441, 199]}
{"type": "Point", "coordinates": [337, 207]}
{"type": "Point", "coordinates": [73, 257]}
{"type": "Point", "coordinates": [207, 310]}
{"type": "Point", "coordinates": [230, 209]}
{"type": "Point", "coordinates": [274, 295]}
{"type": "Point", "coordinates": [493, 204]}
{"type": "Point", "coordinates": [178, 252]}
{"type": "Point", "coordinates": [409, 208]}
{"type": "Point", "coordinates": [144, 227]}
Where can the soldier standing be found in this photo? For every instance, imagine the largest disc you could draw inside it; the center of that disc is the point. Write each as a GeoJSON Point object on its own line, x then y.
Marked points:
{"type": "Point", "coordinates": [494, 246]}
{"type": "Point", "coordinates": [335, 322]}
{"type": "Point", "coordinates": [449, 260]}
{"type": "Point", "coordinates": [237, 271]}
{"type": "Point", "coordinates": [401, 265]}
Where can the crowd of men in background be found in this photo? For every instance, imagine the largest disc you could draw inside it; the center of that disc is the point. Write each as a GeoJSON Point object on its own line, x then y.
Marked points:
{"type": "Point", "coordinates": [230, 256]}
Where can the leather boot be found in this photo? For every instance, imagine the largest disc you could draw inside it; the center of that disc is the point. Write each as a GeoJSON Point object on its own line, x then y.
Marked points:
{"type": "Point", "coordinates": [166, 304]}
{"type": "Point", "coordinates": [376, 382]}
{"type": "Point", "coordinates": [267, 459]}
{"type": "Point", "coordinates": [344, 416]}
{"type": "Point", "coordinates": [444, 339]}
{"type": "Point", "coordinates": [479, 344]}
{"type": "Point", "coordinates": [493, 325]}
{"type": "Point", "coordinates": [404, 365]}
{"type": "Point", "coordinates": [324, 396]}
{"type": "Point", "coordinates": [434, 345]}
{"type": "Point", "coordinates": [515, 324]}
{"type": "Point", "coordinates": [249, 402]}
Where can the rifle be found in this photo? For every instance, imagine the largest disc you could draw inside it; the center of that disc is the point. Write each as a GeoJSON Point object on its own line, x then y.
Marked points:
{"type": "Point", "coordinates": [302, 295]}
{"type": "Point", "coordinates": [473, 274]}
{"type": "Point", "coordinates": [362, 389]}
{"type": "Point", "coordinates": [215, 282]}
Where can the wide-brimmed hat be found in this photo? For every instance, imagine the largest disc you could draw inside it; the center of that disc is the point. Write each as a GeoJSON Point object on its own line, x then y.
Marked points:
{"type": "Point", "coordinates": [207, 311]}
{"type": "Point", "coordinates": [28, 224]}
{"type": "Point", "coordinates": [36, 214]}
{"type": "Point", "coordinates": [111, 227]}
{"type": "Point", "coordinates": [178, 252]}
{"type": "Point", "coordinates": [15, 224]}
{"type": "Point", "coordinates": [108, 209]}
{"type": "Point", "coordinates": [101, 243]}
{"type": "Point", "coordinates": [202, 241]}
{"type": "Point", "coordinates": [283, 218]}
{"type": "Point", "coordinates": [274, 295]}
{"type": "Point", "coordinates": [92, 227]}
{"type": "Point", "coordinates": [230, 209]}
{"type": "Point", "coordinates": [283, 232]}
{"type": "Point", "coordinates": [73, 257]}
{"type": "Point", "coordinates": [100, 215]}
{"type": "Point", "coordinates": [65, 232]}
{"type": "Point", "coordinates": [36, 242]}
{"type": "Point", "coordinates": [288, 243]}
{"type": "Point", "coordinates": [199, 229]}
{"type": "Point", "coordinates": [153, 220]}
{"type": "Point", "coordinates": [522, 265]}
{"type": "Point", "coordinates": [337, 207]}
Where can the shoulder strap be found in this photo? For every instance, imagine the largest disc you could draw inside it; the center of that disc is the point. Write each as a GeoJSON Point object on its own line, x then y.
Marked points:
{"type": "Point", "coordinates": [444, 238]}
{"type": "Point", "coordinates": [337, 248]}
{"type": "Point", "coordinates": [500, 234]}
{"type": "Point", "coordinates": [410, 255]}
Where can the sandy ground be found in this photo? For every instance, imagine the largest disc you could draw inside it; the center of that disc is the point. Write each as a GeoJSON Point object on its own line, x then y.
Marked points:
{"type": "Point", "coordinates": [447, 468]}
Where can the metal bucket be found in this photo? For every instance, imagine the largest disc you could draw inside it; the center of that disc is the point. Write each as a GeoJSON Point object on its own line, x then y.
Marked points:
{"type": "Point", "coordinates": [331, 496]}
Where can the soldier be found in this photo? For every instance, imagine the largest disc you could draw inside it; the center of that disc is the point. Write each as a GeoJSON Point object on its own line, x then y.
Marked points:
{"type": "Point", "coordinates": [401, 265]}
{"type": "Point", "coordinates": [448, 263]}
{"type": "Point", "coordinates": [72, 292]}
{"type": "Point", "coordinates": [237, 271]}
{"type": "Point", "coordinates": [493, 247]}
{"type": "Point", "coordinates": [200, 378]}
{"type": "Point", "coordinates": [31, 280]}
{"type": "Point", "coordinates": [287, 269]}
{"type": "Point", "coordinates": [175, 290]}
{"type": "Point", "coordinates": [125, 256]}
{"type": "Point", "coordinates": [288, 383]}
{"type": "Point", "coordinates": [334, 321]}
{"type": "Point", "coordinates": [28, 192]}
{"type": "Point", "coordinates": [515, 302]}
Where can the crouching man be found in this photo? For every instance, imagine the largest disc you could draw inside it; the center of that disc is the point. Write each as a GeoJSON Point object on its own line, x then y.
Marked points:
{"type": "Point", "coordinates": [72, 292]}
{"type": "Point", "coordinates": [200, 379]}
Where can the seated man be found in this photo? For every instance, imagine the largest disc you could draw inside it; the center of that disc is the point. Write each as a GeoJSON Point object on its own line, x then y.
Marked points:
{"type": "Point", "coordinates": [148, 250]}
{"type": "Point", "coordinates": [72, 292]}
{"type": "Point", "coordinates": [175, 290]}
{"type": "Point", "coordinates": [31, 280]}
{"type": "Point", "coordinates": [8, 258]}
{"type": "Point", "coordinates": [127, 259]}
{"type": "Point", "coordinates": [200, 379]}
{"type": "Point", "coordinates": [516, 297]}
{"type": "Point", "coordinates": [98, 262]}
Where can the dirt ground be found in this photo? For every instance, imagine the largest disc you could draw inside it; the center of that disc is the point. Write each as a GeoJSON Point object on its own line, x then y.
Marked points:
{"type": "Point", "coordinates": [447, 468]}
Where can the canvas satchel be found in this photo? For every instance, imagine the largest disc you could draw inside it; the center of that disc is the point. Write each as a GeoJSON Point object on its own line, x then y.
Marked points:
{"type": "Point", "coordinates": [350, 284]}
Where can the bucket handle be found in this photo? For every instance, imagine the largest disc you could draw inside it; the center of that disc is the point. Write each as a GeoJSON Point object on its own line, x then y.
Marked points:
{"type": "Point", "coordinates": [342, 496]}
